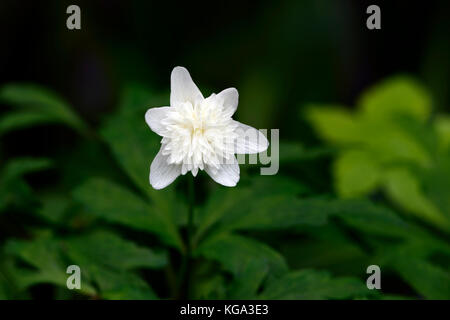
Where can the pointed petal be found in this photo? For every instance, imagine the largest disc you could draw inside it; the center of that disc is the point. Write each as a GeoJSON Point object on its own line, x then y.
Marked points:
{"type": "Point", "coordinates": [161, 173]}
{"type": "Point", "coordinates": [182, 88]}
{"type": "Point", "coordinates": [227, 174]}
{"type": "Point", "coordinates": [249, 140]}
{"type": "Point", "coordinates": [153, 118]}
{"type": "Point", "coordinates": [230, 98]}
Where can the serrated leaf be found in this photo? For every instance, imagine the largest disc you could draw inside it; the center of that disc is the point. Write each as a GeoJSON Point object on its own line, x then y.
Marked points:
{"type": "Point", "coordinates": [115, 285]}
{"type": "Point", "coordinates": [116, 204]}
{"type": "Point", "coordinates": [43, 255]}
{"type": "Point", "coordinates": [135, 146]}
{"type": "Point", "coordinates": [275, 213]}
{"type": "Point", "coordinates": [33, 100]}
{"type": "Point", "coordinates": [107, 249]}
{"type": "Point", "coordinates": [107, 260]}
{"type": "Point", "coordinates": [234, 206]}
{"type": "Point", "coordinates": [236, 252]}
{"type": "Point", "coordinates": [313, 285]}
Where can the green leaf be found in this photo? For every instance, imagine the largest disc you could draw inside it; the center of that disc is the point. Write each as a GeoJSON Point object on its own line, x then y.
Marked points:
{"type": "Point", "coordinates": [107, 249]}
{"type": "Point", "coordinates": [43, 254]}
{"type": "Point", "coordinates": [248, 280]}
{"type": "Point", "coordinates": [391, 143]}
{"type": "Point", "coordinates": [313, 285]}
{"type": "Point", "coordinates": [106, 259]}
{"type": "Point", "coordinates": [442, 125]}
{"type": "Point", "coordinates": [54, 207]}
{"type": "Point", "coordinates": [404, 189]}
{"type": "Point", "coordinates": [230, 208]}
{"type": "Point", "coordinates": [118, 205]}
{"type": "Point", "coordinates": [436, 184]}
{"type": "Point", "coordinates": [356, 173]}
{"type": "Point", "coordinates": [18, 120]}
{"type": "Point", "coordinates": [19, 167]}
{"type": "Point", "coordinates": [116, 285]}
{"type": "Point", "coordinates": [37, 105]}
{"type": "Point", "coordinates": [426, 278]}
{"type": "Point", "coordinates": [294, 152]}
{"type": "Point", "coordinates": [13, 188]}
{"type": "Point", "coordinates": [3, 294]}
{"type": "Point", "coordinates": [370, 218]}
{"type": "Point", "coordinates": [135, 146]}
{"type": "Point", "coordinates": [235, 253]}
{"type": "Point", "coordinates": [334, 124]}
{"type": "Point", "coordinates": [275, 213]}
{"type": "Point", "coordinates": [397, 95]}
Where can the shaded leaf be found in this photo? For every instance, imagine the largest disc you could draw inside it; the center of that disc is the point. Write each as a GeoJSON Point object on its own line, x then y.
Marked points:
{"type": "Point", "coordinates": [313, 285]}
{"type": "Point", "coordinates": [235, 253]}
{"type": "Point", "coordinates": [118, 205]}
{"type": "Point", "coordinates": [240, 207]}
{"type": "Point", "coordinates": [34, 100]}
{"type": "Point", "coordinates": [107, 249]}
{"type": "Point", "coordinates": [116, 285]}
{"type": "Point", "coordinates": [43, 254]}
{"type": "Point", "coordinates": [246, 283]}
{"type": "Point", "coordinates": [427, 279]}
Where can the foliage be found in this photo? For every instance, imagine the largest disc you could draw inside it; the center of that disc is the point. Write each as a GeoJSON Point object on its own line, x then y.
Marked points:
{"type": "Point", "coordinates": [271, 237]}
{"type": "Point", "coordinates": [391, 143]}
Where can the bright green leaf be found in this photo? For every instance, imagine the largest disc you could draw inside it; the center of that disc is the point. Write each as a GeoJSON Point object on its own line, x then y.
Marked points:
{"type": "Point", "coordinates": [334, 124]}
{"type": "Point", "coordinates": [404, 189]}
{"type": "Point", "coordinates": [356, 173]}
{"type": "Point", "coordinates": [397, 95]}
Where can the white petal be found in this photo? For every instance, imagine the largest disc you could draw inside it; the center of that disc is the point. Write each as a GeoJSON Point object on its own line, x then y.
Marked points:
{"type": "Point", "coordinates": [249, 140]}
{"type": "Point", "coordinates": [153, 118]}
{"type": "Point", "coordinates": [230, 99]}
{"type": "Point", "coordinates": [182, 88]}
{"type": "Point", "coordinates": [227, 174]}
{"type": "Point", "coordinates": [161, 173]}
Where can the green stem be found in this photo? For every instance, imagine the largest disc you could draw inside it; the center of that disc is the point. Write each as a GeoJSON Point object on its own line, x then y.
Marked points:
{"type": "Point", "coordinates": [184, 283]}
{"type": "Point", "coordinates": [190, 222]}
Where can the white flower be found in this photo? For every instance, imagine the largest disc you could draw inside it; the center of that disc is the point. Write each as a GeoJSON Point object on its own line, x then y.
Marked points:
{"type": "Point", "coordinates": [199, 133]}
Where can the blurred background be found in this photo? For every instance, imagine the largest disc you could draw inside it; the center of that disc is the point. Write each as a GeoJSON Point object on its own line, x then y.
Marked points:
{"type": "Point", "coordinates": [280, 55]}
{"type": "Point", "coordinates": [283, 53]}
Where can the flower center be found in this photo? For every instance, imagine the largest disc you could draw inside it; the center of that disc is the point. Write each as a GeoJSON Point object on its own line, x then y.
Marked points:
{"type": "Point", "coordinates": [198, 134]}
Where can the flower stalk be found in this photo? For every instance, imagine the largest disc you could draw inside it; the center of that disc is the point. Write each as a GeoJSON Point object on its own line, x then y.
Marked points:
{"type": "Point", "coordinates": [184, 283]}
